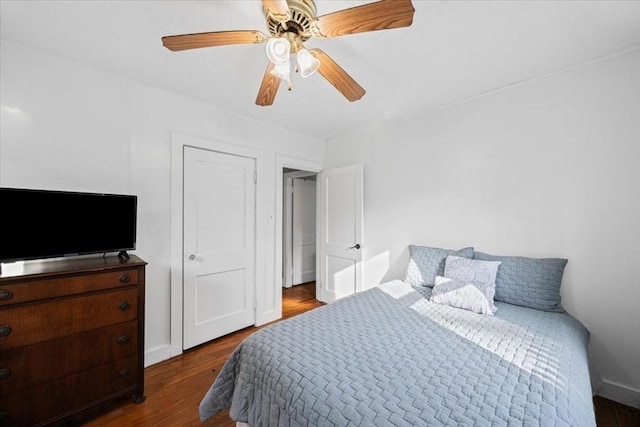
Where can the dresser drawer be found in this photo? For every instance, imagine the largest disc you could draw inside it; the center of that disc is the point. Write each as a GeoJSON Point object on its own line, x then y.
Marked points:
{"type": "Point", "coordinates": [68, 394]}
{"type": "Point", "coordinates": [34, 323]}
{"type": "Point", "coordinates": [14, 293]}
{"type": "Point", "coordinates": [28, 366]}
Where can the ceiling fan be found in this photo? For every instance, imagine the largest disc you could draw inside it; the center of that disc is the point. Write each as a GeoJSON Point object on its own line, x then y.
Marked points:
{"type": "Point", "coordinates": [291, 23]}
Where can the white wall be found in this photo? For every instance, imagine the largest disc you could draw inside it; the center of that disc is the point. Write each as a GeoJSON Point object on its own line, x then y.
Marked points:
{"type": "Point", "coordinates": [68, 126]}
{"type": "Point", "coordinates": [547, 168]}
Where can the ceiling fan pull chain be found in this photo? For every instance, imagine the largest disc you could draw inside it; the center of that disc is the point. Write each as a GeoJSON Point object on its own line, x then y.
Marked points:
{"type": "Point", "coordinates": [290, 87]}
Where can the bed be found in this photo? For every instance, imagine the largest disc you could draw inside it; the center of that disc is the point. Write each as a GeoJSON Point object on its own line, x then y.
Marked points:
{"type": "Point", "coordinates": [390, 356]}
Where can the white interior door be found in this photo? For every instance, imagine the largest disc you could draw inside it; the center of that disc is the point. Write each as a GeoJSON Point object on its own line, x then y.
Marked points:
{"type": "Point", "coordinates": [218, 245]}
{"type": "Point", "coordinates": [304, 230]}
{"type": "Point", "coordinates": [340, 210]}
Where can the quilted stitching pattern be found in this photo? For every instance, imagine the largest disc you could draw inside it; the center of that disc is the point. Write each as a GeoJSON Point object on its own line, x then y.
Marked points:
{"type": "Point", "coordinates": [471, 270]}
{"type": "Point", "coordinates": [529, 282]}
{"type": "Point", "coordinates": [425, 263]}
{"type": "Point", "coordinates": [390, 357]}
{"type": "Point", "coordinates": [474, 296]}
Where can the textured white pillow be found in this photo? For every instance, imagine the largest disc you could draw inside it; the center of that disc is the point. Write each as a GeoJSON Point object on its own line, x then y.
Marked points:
{"type": "Point", "coordinates": [471, 270]}
{"type": "Point", "coordinates": [472, 296]}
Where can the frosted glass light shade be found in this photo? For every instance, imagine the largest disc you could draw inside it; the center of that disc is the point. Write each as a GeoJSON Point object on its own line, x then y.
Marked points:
{"type": "Point", "coordinates": [282, 71]}
{"type": "Point", "coordinates": [278, 50]}
{"type": "Point", "coordinates": [307, 63]}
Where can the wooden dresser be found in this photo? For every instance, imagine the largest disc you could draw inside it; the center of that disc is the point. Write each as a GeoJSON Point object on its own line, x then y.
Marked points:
{"type": "Point", "coordinates": [71, 337]}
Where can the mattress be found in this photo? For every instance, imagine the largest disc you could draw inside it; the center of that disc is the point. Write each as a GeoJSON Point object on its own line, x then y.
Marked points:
{"type": "Point", "coordinates": [390, 357]}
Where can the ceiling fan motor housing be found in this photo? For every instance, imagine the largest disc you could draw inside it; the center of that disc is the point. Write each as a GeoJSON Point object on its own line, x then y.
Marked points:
{"type": "Point", "coordinates": [303, 12]}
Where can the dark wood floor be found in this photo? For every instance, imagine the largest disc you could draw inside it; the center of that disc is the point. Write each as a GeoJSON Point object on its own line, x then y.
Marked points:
{"type": "Point", "coordinates": [614, 414]}
{"type": "Point", "coordinates": [175, 387]}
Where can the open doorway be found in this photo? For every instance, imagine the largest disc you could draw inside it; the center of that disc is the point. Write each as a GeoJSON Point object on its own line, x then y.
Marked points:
{"type": "Point", "coordinates": [299, 230]}
{"type": "Point", "coordinates": [338, 224]}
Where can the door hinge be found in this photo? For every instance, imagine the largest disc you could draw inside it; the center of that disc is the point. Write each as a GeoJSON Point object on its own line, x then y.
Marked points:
{"type": "Point", "coordinates": [255, 177]}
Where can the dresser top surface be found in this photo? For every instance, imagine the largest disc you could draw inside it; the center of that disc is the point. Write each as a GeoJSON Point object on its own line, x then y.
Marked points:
{"type": "Point", "coordinates": [33, 269]}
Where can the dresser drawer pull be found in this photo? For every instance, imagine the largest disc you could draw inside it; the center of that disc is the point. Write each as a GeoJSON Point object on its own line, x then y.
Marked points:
{"type": "Point", "coordinates": [5, 295]}
{"type": "Point", "coordinates": [5, 373]}
{"type": "Point", "coordinates": [124, 278]}
{"type": "Point", "coordinates": [124, 305]}
{"type": "Point", "coordinates": [124, 373]}
{"type": "Point", "coordinates": [5, 330]}
{"type": "Point", "coordinates": [123, 339]}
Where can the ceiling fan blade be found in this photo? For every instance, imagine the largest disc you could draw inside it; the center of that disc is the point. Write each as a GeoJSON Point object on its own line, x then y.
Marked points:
{"type": "Point", "coordinates": [382, 15]}
{"type": "Point", "coordinates": [338, 77]}
{"type": "Point", "coordinates": [268, 87]}
{"type": "Point", "coordinates": [216, 38]}
{"type": "Point", "coordinates": [279, 9]}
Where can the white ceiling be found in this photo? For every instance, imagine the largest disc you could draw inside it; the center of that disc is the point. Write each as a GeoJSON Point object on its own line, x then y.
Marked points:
{"type": "Point", "coordinates": [454, 50]}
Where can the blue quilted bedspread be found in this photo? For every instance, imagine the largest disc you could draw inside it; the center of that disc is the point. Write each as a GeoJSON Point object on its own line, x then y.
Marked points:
{"type": "Point", "coordinates": [390, 357]}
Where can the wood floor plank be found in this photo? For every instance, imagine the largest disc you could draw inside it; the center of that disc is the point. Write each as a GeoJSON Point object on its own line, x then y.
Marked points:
{"type": "Point", "coordinates": [175, 387]}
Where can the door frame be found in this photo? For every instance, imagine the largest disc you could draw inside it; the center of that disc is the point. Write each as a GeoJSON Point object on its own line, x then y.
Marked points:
{"type": "Point", "coordinates": [178, 142]}
{"type": "Point", "coordinates": [283, 162]}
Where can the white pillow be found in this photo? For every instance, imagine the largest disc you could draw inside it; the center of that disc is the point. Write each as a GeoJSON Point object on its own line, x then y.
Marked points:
{"type": "Point", "coordinates": [471, 270]}
{"type": "Point", "coordinates": [472, 296]}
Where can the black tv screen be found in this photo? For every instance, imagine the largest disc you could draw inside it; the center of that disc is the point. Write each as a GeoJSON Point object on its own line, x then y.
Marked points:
{"type": "Point", "coordinates": [38, 224]}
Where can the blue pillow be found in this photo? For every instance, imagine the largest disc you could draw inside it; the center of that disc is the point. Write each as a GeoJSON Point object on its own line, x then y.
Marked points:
{"type": "Point", "coordinates": [529, 282]}
{"type": "Point", "coordinates": [425, 263]}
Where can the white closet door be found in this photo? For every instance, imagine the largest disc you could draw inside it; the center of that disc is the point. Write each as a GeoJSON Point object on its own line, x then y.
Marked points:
{"type": "Point", "coordinates": [219, 245]}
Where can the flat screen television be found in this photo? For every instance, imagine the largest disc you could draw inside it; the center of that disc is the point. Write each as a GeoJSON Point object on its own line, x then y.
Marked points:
{"type": "Point", "coordinates": [39, 224]}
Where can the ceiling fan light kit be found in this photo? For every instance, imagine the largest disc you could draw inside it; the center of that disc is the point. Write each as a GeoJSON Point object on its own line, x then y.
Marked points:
{"type": "Point", "coordinates": [279, 53]}
{"type": "Point", "coordinates": [282, 71]}
{"type": "Point", "coordinates": [278, 50]}
{"type": "Point", "coordinates": [291, 23]}
{"type": "Point", "coordinates": [307, 63]}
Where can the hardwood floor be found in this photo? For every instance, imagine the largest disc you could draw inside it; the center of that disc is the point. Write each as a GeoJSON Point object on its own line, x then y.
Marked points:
{"type": "Point", "coordinates": [175, 387]}
{"type": "Point", "coordinates": [610, 413]}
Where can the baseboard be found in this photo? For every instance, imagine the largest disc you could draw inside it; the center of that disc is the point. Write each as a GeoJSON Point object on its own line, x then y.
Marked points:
{"type": "Point", "coordinates": [157, 355]}
{"type": "Point", "coordinates": [620, 393]}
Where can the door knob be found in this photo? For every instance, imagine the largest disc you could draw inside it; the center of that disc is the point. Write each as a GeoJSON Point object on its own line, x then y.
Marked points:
{"type": "Point", "coordinates": [192, 257]}
{"type": "Point", "coordinates": [356, 246]}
